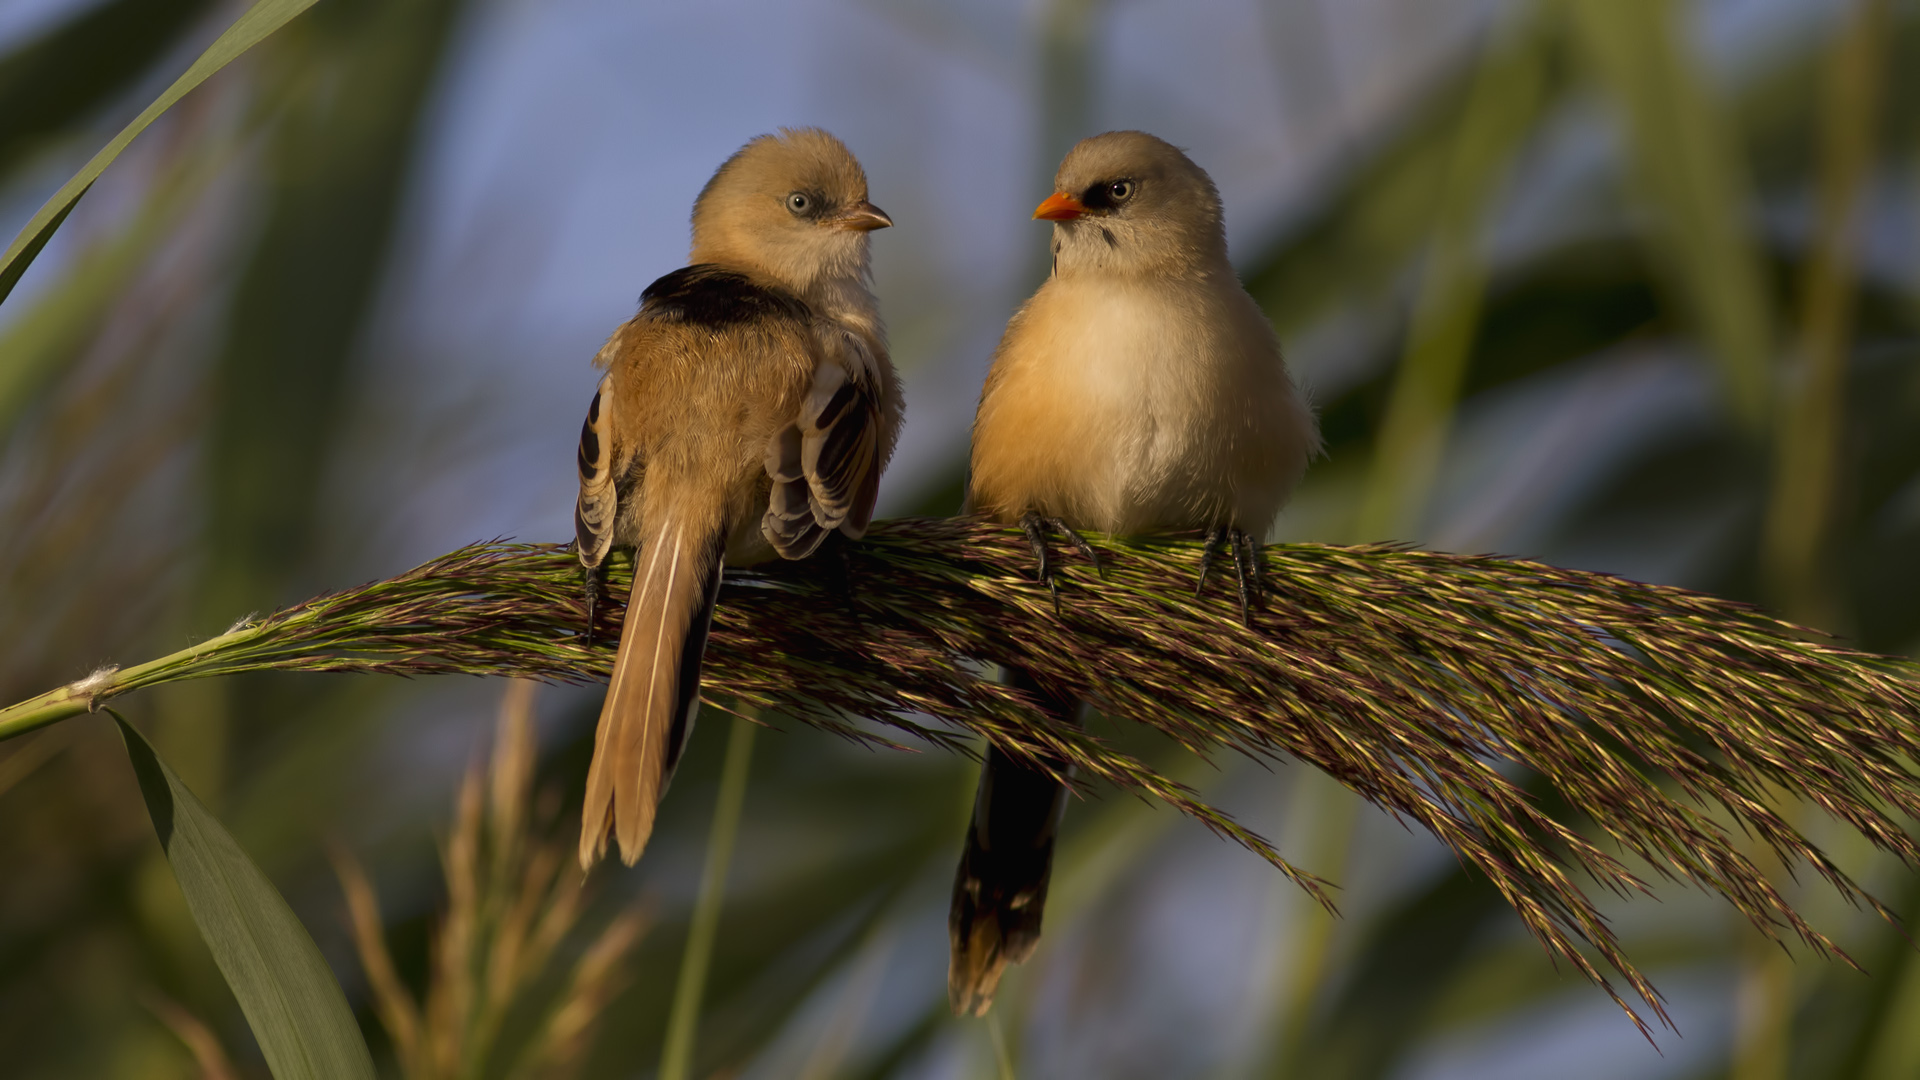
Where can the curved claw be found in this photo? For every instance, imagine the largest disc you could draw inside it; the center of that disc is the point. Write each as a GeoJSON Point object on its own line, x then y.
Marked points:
{"type": "Point", "coordinates": [1216, 536]}
{"type": "Point", "coordinates": [1037, 528]}
{"type": "Point", "coordinates": [1246, 564]}
{"type": "Point", "coordinates": [595, 580]}
{"type": "Point", "coordinates": [1250, 583]}
{"type": "Point", "coordinates": [1259, 563]}
{"type": "Point", "coordinates": [1079, 542]}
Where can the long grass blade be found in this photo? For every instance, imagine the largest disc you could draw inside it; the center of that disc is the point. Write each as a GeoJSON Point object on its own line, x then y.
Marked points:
{"type": "Point", "coordinates": [289, 995]}
{"type": "Point", "coordinates": [49, 85]}
{"type": "Point", "coordinates": [72, 309]}
{"type": "Point", "coordinates": [260, 20]}
{"type": "Point", "coordinates": [1807, 448]}
{"type": "Point", "coordinates": [1687, 167]}
{"type": "Point", "coordinates": [1499, 115]}
{"type": "Point", "coordinates": [1811, 424]}
{"type": "Point", "coordinates": [683, 1023]}
{"type": "Point", "coordinates": [1002, 1056]}
{"type": "Point", "coordinates": [1330, 815]}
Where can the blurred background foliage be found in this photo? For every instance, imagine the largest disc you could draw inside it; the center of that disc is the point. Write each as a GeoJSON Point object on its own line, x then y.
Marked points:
{"type": "Point", "coordinates": [1630, 285]}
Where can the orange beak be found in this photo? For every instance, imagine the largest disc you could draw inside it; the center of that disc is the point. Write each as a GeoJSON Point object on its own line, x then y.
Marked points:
{"type": "Point", "coordinates": [1059, 206]}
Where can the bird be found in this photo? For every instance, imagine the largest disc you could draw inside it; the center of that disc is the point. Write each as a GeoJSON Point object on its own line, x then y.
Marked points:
{"type": "Point", "coordinates": [746, 413]}
{"type": "Point", "coordinates": [1140, 390]}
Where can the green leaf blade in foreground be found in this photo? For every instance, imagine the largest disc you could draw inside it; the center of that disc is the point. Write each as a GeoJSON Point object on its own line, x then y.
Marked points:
{"type": "Point", "coordinates": [248, 30]}
{"type": "Point", "coordinates": [289, 995]}
{"type": "Point", "coordinates": [1405, 675]}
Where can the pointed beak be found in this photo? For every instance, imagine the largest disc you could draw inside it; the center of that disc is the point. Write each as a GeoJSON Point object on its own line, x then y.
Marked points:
{"type": "Point", "coordinates": [863, 217]}
{"type": "Point", "coordinates": [1059, 206]}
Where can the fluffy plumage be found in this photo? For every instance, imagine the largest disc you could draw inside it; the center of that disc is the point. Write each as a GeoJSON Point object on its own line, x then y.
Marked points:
{"type": "Point", "coordinates": [1140, 390]}
{"type": "Point", "coordinates": [746, 414]}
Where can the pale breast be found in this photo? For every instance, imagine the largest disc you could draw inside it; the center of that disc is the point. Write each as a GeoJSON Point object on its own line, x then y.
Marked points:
{"type": "Point", "coordinates": [1139, 407]}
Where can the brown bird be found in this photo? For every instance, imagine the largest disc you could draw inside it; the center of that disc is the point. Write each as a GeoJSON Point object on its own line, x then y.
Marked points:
{"type": "Point", "coordinates": [746, 413]}
{"type": "Point", "coordinates": [1140, 390]}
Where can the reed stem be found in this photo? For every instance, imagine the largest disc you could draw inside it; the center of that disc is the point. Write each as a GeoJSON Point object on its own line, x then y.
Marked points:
{"type": "Point", "coordinates": [683, 1023]}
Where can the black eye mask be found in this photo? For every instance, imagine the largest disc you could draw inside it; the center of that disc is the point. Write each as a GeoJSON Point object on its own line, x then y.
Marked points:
{"type": "Point", "coordinates": [1100, 197]}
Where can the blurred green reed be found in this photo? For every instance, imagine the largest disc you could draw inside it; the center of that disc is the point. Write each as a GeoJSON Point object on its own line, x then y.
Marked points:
{"type": "Point", "coordinates": [517, 987]}
{"type": "Point", "coordinates": [1808, 442]}
{"type": "Point", "coordinates": [114, 374]}
{"type": "Point", "coordinates": [683, 1023]}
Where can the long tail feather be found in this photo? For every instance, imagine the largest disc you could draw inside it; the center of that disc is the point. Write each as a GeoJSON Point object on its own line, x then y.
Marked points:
{"type": "Point", "coordinates": [1000, 891]}
{"type": "Point", "coordinates": [655, 690]}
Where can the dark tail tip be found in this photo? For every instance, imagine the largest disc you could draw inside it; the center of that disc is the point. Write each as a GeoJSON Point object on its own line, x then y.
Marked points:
{"type": "Point", "coordinates": [1000, 890]}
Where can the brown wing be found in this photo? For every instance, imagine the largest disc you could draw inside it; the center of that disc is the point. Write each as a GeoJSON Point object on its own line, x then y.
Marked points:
{"type": "Point", "coordinates": [825, 466]}
{"type": "Point", "coordinates": [599, 503]}
{"type": "Point", "coordinates": [711, 359]}
{"type": "Point", "coordinates": [789, 524]}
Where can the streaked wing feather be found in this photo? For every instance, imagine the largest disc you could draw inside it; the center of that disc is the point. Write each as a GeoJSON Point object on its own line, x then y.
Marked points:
{"type": "Point", "coordinates": [825, 465]}
{"type": "Point", "coordinates": [599, 503]}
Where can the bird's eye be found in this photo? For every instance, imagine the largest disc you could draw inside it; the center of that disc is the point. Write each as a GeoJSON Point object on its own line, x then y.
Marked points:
{"type": "Point", "coordinates": [1120, 190]}
{"type": "Point", "coordinates": [799, 202]}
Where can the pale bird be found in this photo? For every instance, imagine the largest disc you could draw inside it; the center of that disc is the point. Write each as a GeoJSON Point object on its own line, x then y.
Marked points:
{"type": "Point", "coordinates": [1140, 390]}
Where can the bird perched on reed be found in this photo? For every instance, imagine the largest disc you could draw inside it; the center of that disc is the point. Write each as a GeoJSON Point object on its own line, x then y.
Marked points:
{"type": "Point", "coordinates": [746, 413]}
{"type": "Point", "coordinates": [1140, 390]}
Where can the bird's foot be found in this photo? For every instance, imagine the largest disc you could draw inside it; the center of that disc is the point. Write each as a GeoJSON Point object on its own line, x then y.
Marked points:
{"type": "Point", "coordinates": [595, 584]}
{"type": "Point", "coordinates": [1247, 567]}
{"type": "Point", "coordinates": [1216, 537]}
{"type": "Point", "coordinates": [1251, 582]}
{"type": "Point", "coordinates": [1037, 528]}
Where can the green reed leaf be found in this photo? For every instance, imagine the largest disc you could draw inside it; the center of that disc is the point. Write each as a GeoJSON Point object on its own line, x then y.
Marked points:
{"type": "Point", "coordinates": [1686, 164]}
{"type": "Point", "coordinates": [250, 29]}
{"type": "Point", "coordinates": [289, 995]}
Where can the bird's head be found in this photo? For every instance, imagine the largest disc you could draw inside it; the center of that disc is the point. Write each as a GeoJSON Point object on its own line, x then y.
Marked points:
{"type": "Point", "coordinates": [1128, 202]}
{"type": "Point", "coordinates": [790, 207]}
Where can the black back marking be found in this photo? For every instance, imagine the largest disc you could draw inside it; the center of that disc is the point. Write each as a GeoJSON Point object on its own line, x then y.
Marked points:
{"type": "Point", "coordinates": [707, 295]}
